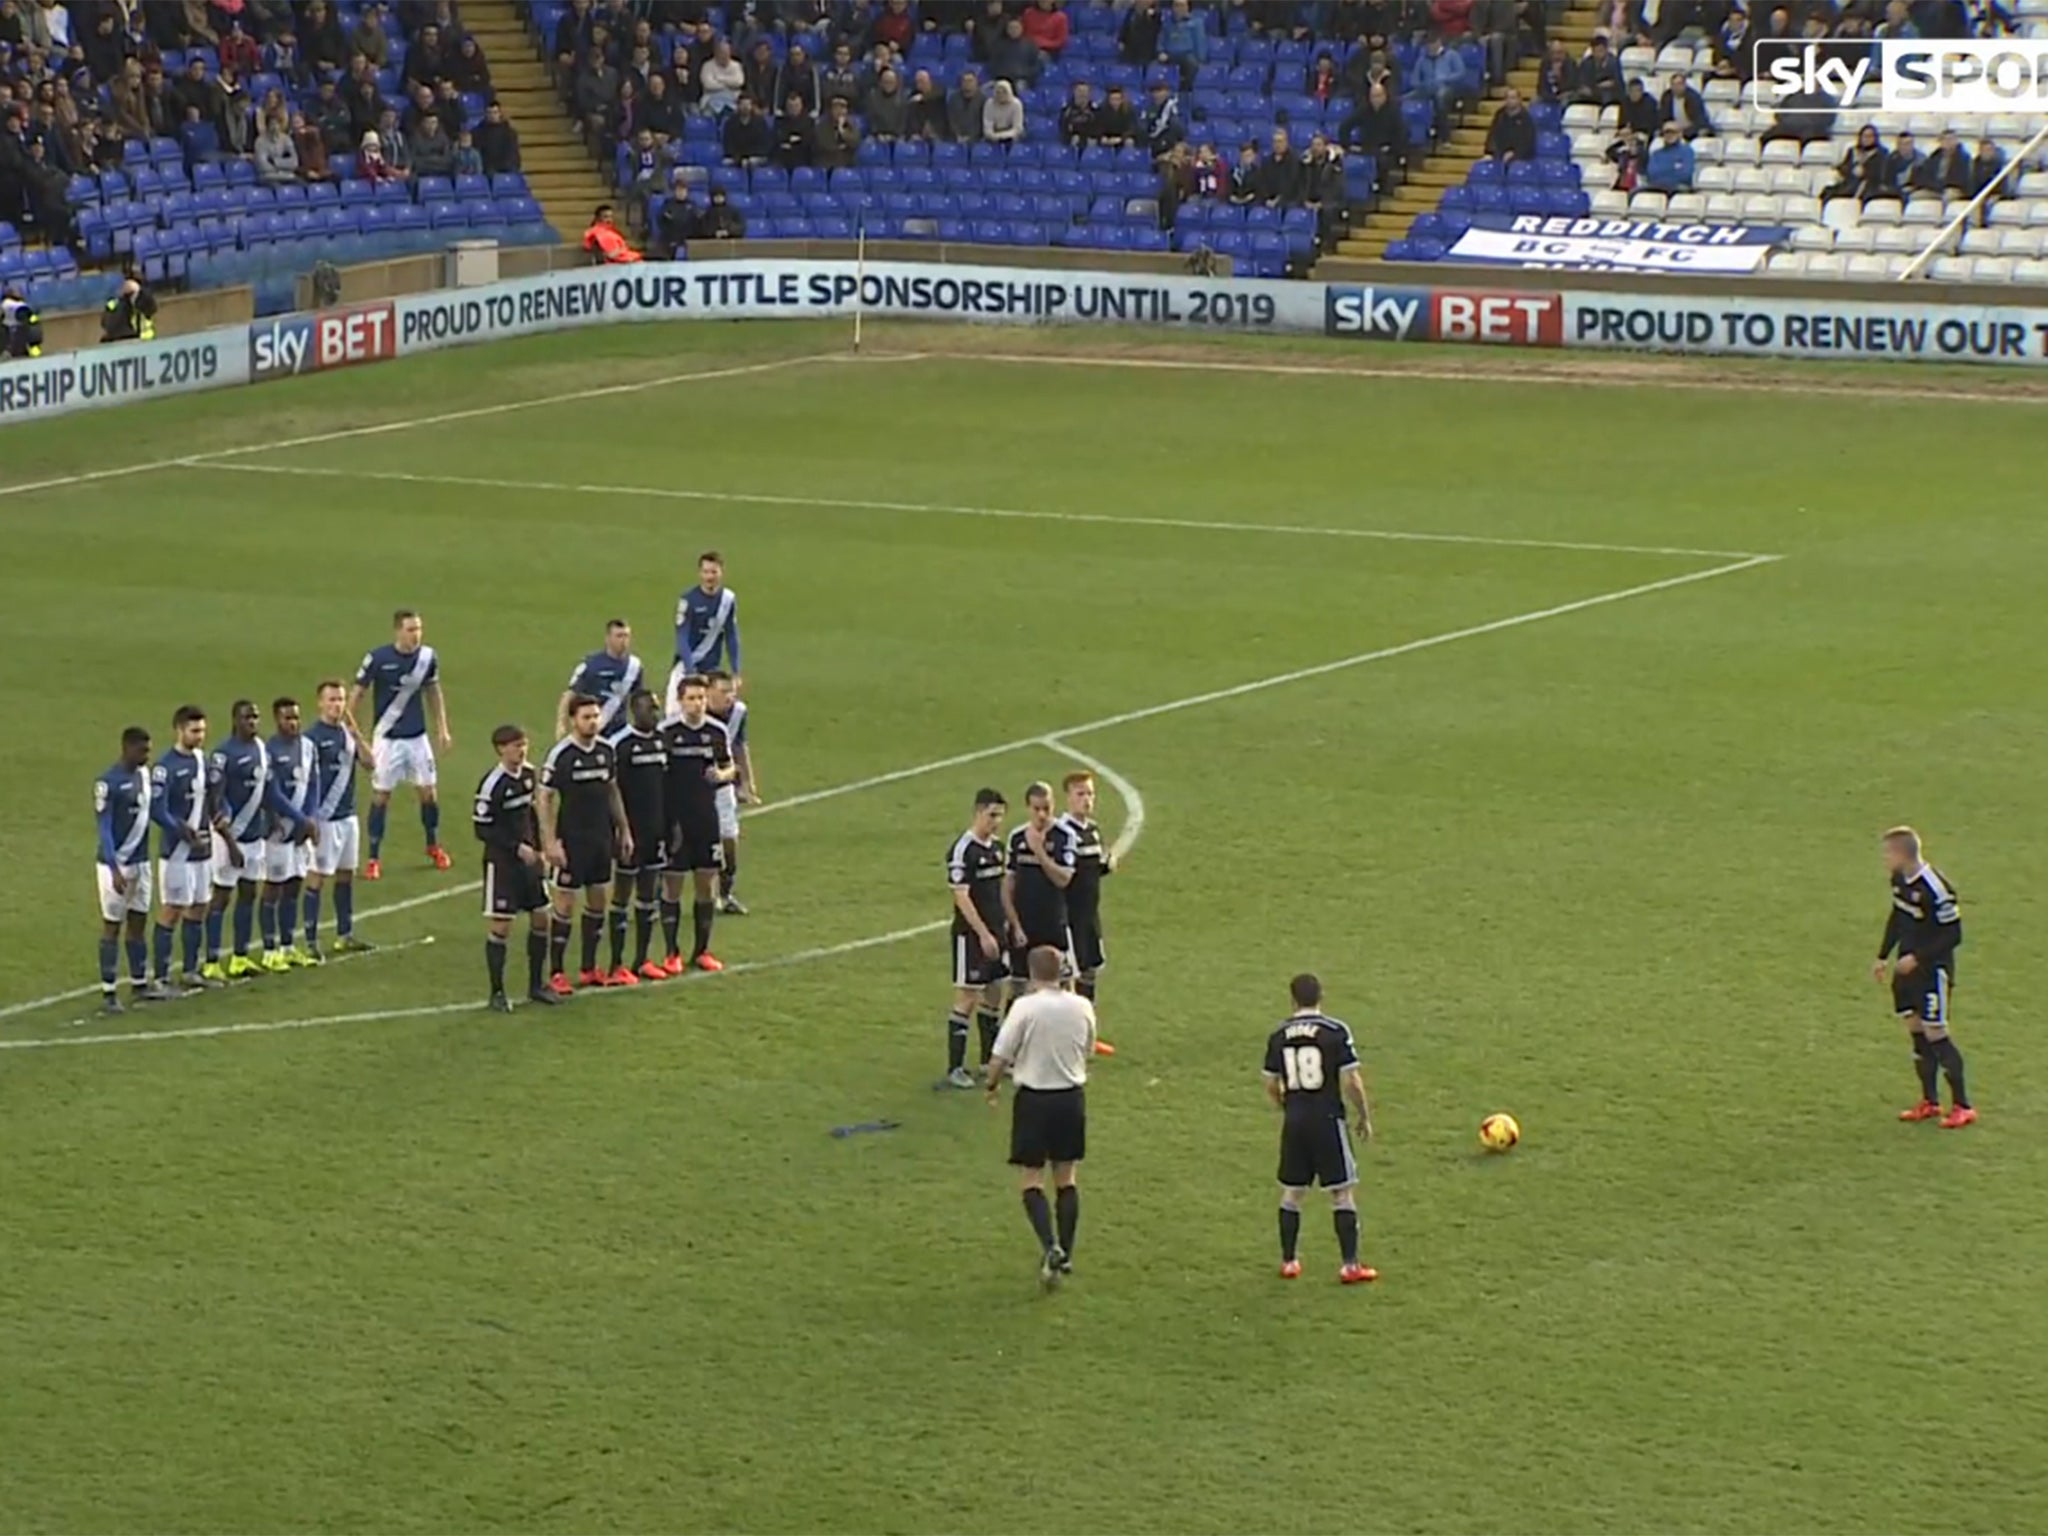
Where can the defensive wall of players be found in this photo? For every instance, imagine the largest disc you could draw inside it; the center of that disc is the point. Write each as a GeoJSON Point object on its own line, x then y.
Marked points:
{"type": "Point", "coordinates": [1736, 318]}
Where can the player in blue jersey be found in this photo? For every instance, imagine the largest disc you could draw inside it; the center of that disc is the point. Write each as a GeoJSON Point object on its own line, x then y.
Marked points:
{"type": "Point", "coordinates": [402, 681]}
{"type": "Point", "coordinates": [707, 625]}
{"type": "Point", "coordinates": [609, 676]}
{"type": "Point", "coordinates": [288, 851]}
{"type": "Point", "coordinates": [120, 803]}
{"type": "Point", "coordinates": [730, 711]}
{"type": "Point", "coordinates": [337, 750]}
{"type": "Point", "coordinates": [182, 802]}
{"type": "Point", "coordinates": [249, 805]}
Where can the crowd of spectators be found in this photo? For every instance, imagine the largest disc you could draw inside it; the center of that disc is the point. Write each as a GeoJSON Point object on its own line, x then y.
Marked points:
{"type": "Point", "coordinates": [808, 83]}
{"type": "Point", "coordinates": [282, 85]}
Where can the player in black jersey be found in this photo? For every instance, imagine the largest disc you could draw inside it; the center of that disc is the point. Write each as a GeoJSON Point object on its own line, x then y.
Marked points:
{"type": "Point", "coordinates": [514, 875]}
{"type": "Point", "coordinates": [699, 761]}
{"type": "Point", "coordinates": [1924, 930]}
{"type": "Point", "coordinates": [582, 820]}
{"type": "Point", "coordinates": [975, 869]}
{"type": "Point", "coordinates": [643, 787]}
{"type": "Point", "coordinates": [1089, 861]}
{"type": "Point", "coordinates": [1035, 894]}
{"type": "Point", "coordinates": [1311, 1071]}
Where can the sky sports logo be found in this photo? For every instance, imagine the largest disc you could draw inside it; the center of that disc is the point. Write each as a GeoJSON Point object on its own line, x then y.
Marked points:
{"type": "Point", "coordinates": [1966, 77]}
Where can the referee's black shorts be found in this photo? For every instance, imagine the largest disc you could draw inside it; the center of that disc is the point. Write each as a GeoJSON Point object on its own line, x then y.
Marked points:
{"type": "Point", "coordinates": [1048, 1125]}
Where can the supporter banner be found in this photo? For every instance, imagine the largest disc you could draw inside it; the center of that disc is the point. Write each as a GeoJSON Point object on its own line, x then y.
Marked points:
{"type": "Point", "coordinates": [1629, 245]}
{"type": "Point", "coordinates": [1808, 328]}
{"type": "Point", "coordinates": [1443, 314]}
{"type": "Point", "coordinates": [123, 372]}
{"type": "Point", "coordinates": [814, 290]}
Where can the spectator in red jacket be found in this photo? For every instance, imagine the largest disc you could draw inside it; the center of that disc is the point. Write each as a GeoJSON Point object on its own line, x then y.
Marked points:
{"type": "Point", "coordinates": [1453, 18]}
{"type": "Point", "coordinates": [1046, 26]}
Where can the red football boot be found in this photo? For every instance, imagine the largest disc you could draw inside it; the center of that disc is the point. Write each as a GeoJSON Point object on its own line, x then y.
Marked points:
{"type": "Point", "coordinates": [653, 970]}
{"type": "Point", "coordinates": [672, 966]}
{"type": "Point", "coordinates": [440, 857]}
{"type": "Point", "coordinates": [1357, 1274]}
{"type": "Point", "coordinates": [559, 985]}
{"type": "Point", "coordinates": [622, 977]}
{"type": "Point", "coordinates": [708, 962]}
{"type": "Point", "coordinates": [1104, 1048]}
{"type": "Point", "coordinates": [1959, 1117]}
{"type": "Point", "coordinates": [590, 978]}
{"type": "Point", "coordinates": [1926, 1109]}
{"type": "Point", "coordinates": [1290, 1269]}
{"type": "Point", "coordinates": [374, 870]}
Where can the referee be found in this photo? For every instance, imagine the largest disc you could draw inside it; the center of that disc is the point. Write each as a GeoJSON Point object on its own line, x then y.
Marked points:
{"type": "Point", "coordinates": [1045, 1043]}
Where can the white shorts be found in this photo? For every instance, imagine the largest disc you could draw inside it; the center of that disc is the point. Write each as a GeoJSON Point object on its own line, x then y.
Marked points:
{"type": "Point", "coordinates": [286, 861]}
{"type": "Point", "coordinates": [402, 760]}
{"type": "Point", "coordinates": [115, 905]}
{"type": "Point", "coordinates": [186, 882]}
{"type": "Point", "coordinates": [728, 800]}
{"type": "Point", "coordinates": [336, 848]}
{"type": "Point", "coordinates": [226, 876]}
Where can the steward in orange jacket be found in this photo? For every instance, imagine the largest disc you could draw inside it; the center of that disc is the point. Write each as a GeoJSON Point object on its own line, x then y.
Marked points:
{"type": "Point", "coordinates": [603, 241]}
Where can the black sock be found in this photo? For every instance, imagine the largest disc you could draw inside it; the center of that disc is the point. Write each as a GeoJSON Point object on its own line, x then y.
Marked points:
{"type": "Point", "coordinates": [1929, 1067]}
{"type": "Point", "coordinates": [1067, 1207]}
{"type": "Point", "coordinates": [1041, 1217]}
{"type": "Point", "coordinates": [956, 1041]}
{"type": "Point", "coordinates": [1085, 985]}
{"type": "Point", "coordinates": [1290, 1232]}
{"type": "Point", "coordinates": [558, 945]}
{"type": "Point", "coordinates": [536, 960]}
{"type": "Point", "coordinates": [593, 932]}
{"type": "Point", "coordinates": [643, 932]}
{"type": "Point", "coordinates": [672, 925]}
{"type": "Point", "coordinates": [1347, 1234]}
{"type": "Point", "coordinates": [617, 919]}
{"type": "Point", "coordinates": [701, 914]}
{"type": "Point", "coordinates": [1952, 1065]}
{"type": "Point", "coordinates": [728, 869]}
{"type": "Point", "coordinates": [494, 957]}
{"type": "Point", "coordinates": [986, 1024]}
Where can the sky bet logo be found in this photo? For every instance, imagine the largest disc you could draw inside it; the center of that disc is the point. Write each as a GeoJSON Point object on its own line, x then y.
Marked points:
{"type": "Point", "coordinates": [1380, 314]}
{"type": "Point", "coordinates": [334, 338]}
{"type": "Point", "coordinates": [1972, 77]}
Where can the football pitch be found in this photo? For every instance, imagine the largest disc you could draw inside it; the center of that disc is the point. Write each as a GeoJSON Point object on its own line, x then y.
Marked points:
{"type": "Point", "coordinates": [1550, 716]}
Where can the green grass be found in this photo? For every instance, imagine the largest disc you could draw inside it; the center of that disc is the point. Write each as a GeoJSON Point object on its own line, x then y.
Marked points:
{"type": "Point", "coordinates": [1613, 870]}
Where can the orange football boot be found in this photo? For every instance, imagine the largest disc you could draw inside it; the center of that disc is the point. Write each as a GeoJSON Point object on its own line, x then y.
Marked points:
{"type": "Point", "coordinates": [1290, 1269]}
{"type": "Point", "coordinates": [374, 870]}
{"type": "Point", "coordinates": [440, 857]}
{"type": "Point", "coordinates": [1926, 1109]}
{"type": "Point", "coordinates": [1959, 1117]}
{"type": "Point", "coordinates": [709, 962]}
{"type": "Point", "coordinates": [673, 966]}
{"type": "Point", "coordinates": [559, 985]}
{"type": "Point", "coordinates": [1357, 1274]}
{"type": "Point", "coordinates": [622, 977]}
{"type": "Point", "coordinates": [654, 970]}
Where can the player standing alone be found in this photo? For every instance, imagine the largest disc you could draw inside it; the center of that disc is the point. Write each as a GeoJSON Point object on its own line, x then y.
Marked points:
{"type": "Point", "coordinates": [337, 750]}
{"type": "Point", "coordinates": [1311, 1070]}
{"type": "Point", "coordinates": [402, 679]}
{"type": "Point", "coordinates": [975, 867]}
{"type": "Point", "coordinates": [1924, 929]}
{"type": "Point", "coordinates": [707, 625]}
{"type": "Point", "coordinates": [582, 821]}
{"type": "Point", "coordinates": [120, 803]}
{"type": "Point", "coordinates": [699, 761]}
{"type": "Point", "coordinates": [514, 878]}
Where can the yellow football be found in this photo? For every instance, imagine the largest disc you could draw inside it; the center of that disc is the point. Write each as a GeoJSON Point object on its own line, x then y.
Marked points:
{"type": "Point", "coordinates": [1499, 1133]}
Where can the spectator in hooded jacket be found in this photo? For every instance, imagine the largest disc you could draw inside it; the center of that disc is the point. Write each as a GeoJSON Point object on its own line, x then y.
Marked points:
{"type": "Point", "coordinates": [1002, 116]}
{"type": "Point", "coordinates": [1184, 42]}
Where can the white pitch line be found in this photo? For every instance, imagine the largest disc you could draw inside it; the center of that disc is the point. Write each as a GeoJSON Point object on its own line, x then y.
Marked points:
{"type": "Point", "coordinates": [945, 509]}
{"type": "Point", "coordinates": [1649, 377]}
{"type": "Point", "coordinates": [470, 413]}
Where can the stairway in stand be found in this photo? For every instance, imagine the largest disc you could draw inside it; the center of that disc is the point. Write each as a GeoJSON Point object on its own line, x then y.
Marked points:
{"type": "Point", "coordinates": [562, 173]}
{"type": "Point", "coordinates": [1448, 163]}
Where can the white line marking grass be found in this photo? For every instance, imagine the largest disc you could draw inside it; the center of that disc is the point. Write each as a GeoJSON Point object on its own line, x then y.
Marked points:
{"type": "Point", "coordinates": [944, 509]}
{"type": "Point", "coordinates": [960, 759]}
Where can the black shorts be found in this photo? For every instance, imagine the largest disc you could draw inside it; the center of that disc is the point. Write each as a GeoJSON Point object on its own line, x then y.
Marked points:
{"type": "Point", "coordinates": [1317, 1151]}
{"type": "Point", "coordinates": [1020, 956]}
{"type": "Point", "coordinates": [694, 845]}
{"type": "Point", "coordinates": [1048, 1126]}
{"type": "Point", "coordinates": [1084, 941]}
{"type": "Point", "coordinates": [590, 861]}
{"type": "Point", "coordinates": [972, 968]}
{"type": "Point", "coordinates": [511, 887]}
{"type": "Point", "coordinates": [1924, 995]}
{"type": "Point", "coordinates": [650, 849]}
